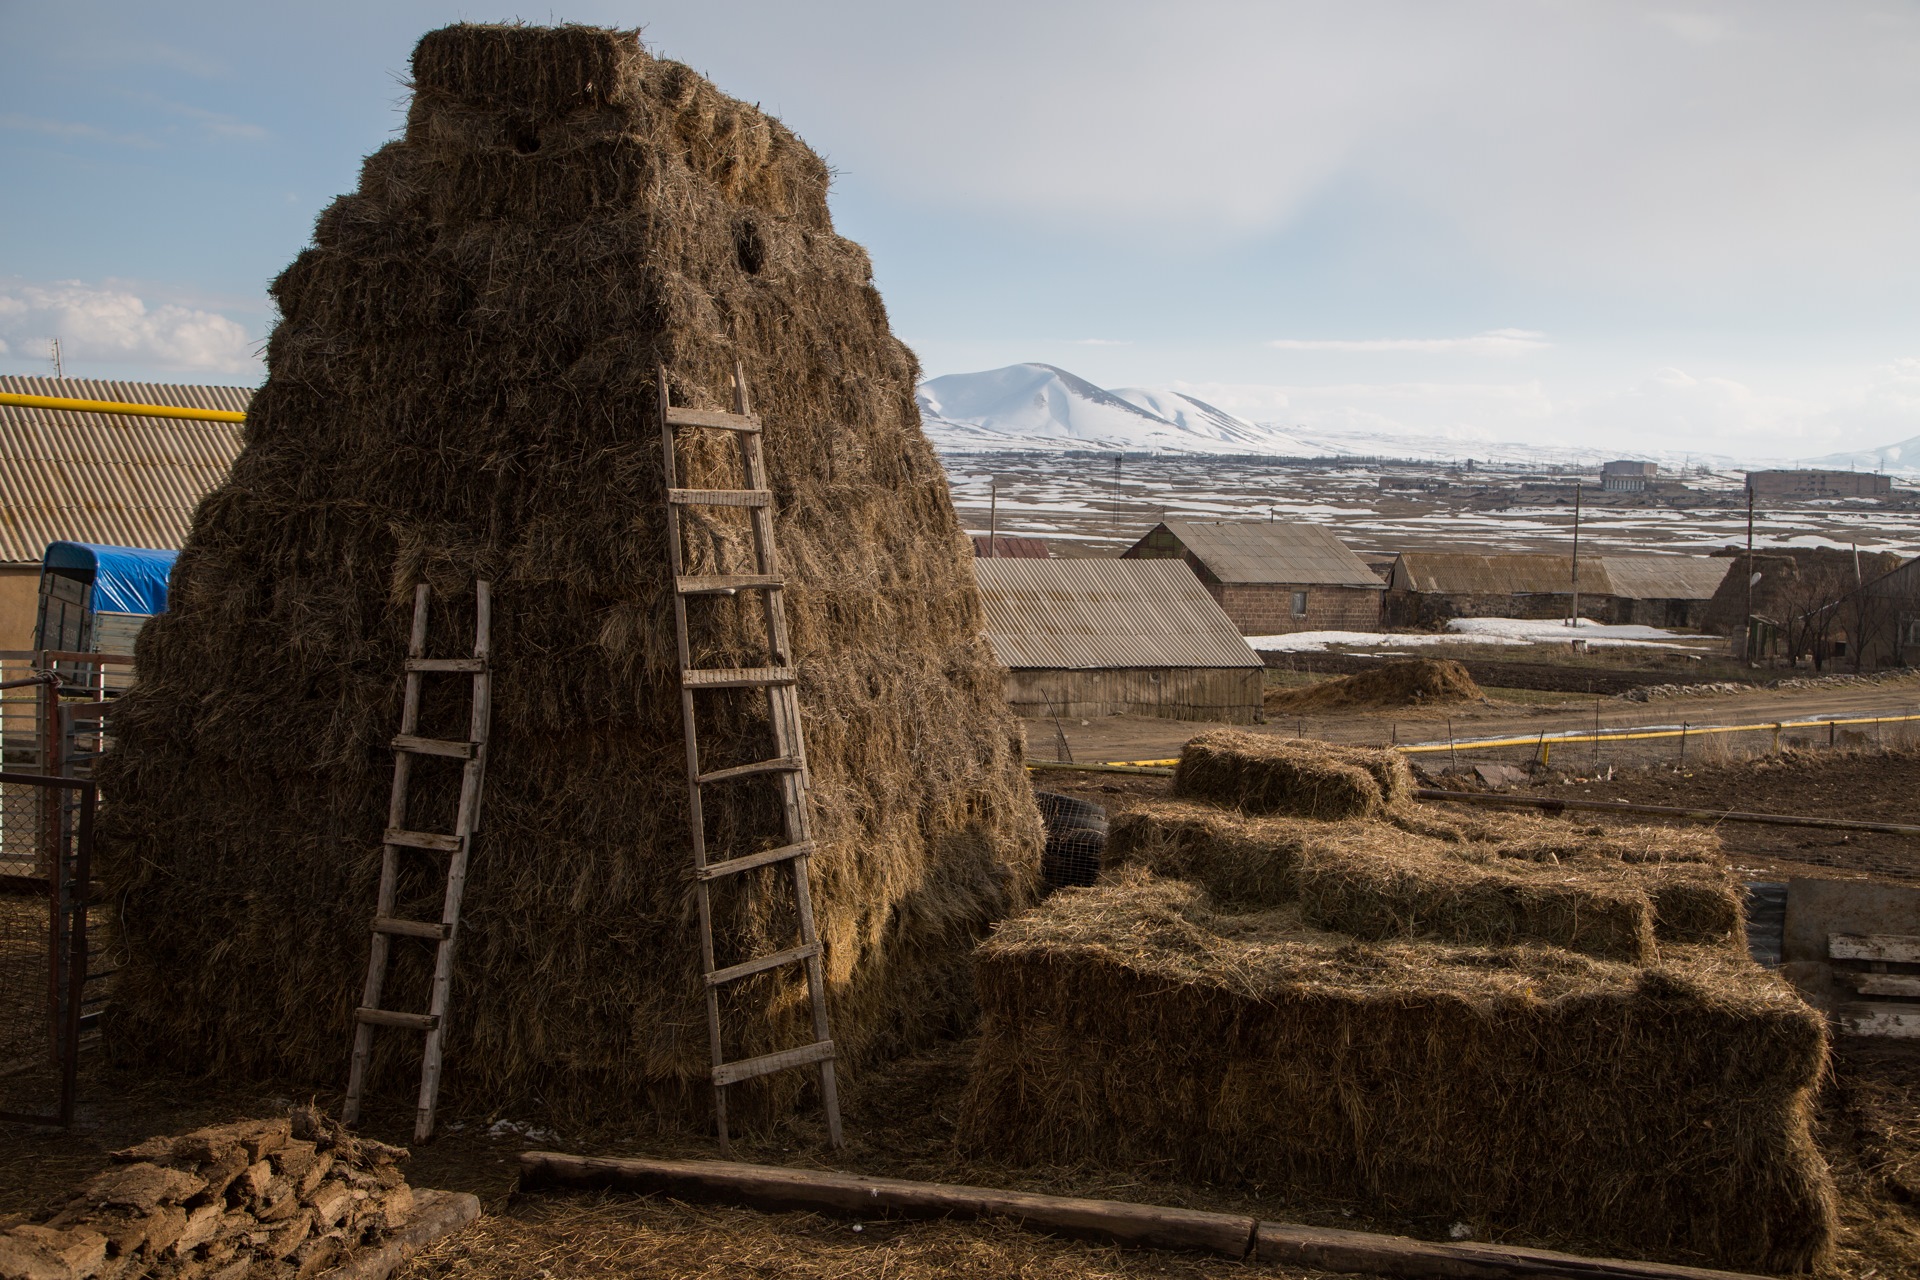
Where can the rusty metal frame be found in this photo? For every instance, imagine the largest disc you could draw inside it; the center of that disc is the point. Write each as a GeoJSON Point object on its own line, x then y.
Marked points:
{"type": "Point", "coordinates": [68, 889]}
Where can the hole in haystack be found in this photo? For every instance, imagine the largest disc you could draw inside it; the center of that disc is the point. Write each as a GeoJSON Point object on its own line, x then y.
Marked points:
{"type": "Point", "coordinates": [522, 136]}
{"type": "Point", "coordinates": [749, 248]}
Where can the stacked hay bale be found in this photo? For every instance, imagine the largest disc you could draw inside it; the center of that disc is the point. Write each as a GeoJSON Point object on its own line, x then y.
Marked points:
{"type": "Point", "coordinates": [1444, 1016]}
{"type": "Point", "coordinates": [462, 385]}
{"type": "Point", "coordinates": [287, 1197]}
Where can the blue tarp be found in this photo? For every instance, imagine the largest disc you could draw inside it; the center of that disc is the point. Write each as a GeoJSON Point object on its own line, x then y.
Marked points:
{"type": "Point", "coordinates": [125, 579]}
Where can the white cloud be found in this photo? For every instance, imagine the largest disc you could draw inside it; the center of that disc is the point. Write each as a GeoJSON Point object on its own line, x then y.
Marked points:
{"type": "Point", "coordinates": [110, 325]}
{"type": "Point", "coordinates": [1100, 342]}
{"type": "Point", "coordinates": [71, 130]}
{"type": "Point", "coordinates": [214, 123]}
{"type": "Point", "coordinates": [1494, 342]}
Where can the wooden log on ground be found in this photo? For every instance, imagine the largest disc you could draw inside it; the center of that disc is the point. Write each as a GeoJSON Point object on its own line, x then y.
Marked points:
{"type": "Point", "coordinates": [1118, 1221]}
{"type": "Point", "coordinates": [772, 1187]}
{"type": "Point", "coordinates": [1360, 1251]}
{"type": "Point", "coordinates": [437, 1214]}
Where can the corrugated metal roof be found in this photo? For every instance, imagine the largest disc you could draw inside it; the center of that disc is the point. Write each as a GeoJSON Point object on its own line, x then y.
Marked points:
{"type": "Point", "coordinates": [1664, 577]}
{"type": "Point", "coordinates": [1101, 614]}
{"type": "Point", "coordinates": [1267, 551]}
{"type": "Point", "coordinates": [1006, 544]}
{"type": "Point", "coordinates": [1451, 573]}
{"type": "Point", "coordinates": [107, 478]}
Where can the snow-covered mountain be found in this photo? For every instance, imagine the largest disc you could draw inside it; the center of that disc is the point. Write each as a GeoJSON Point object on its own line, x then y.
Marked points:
{"type": "Point", "coordinates": [1039, 406]}
{"type": "Point", "coordinates": [1895, 459]}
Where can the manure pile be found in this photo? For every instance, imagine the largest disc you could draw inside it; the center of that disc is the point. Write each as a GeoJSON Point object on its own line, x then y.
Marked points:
{"type": "Point", "coordinates": [1412, 682]}
{"type": "Point", "coordinates": [462, 386]}
{"type": "Point", "coordinates": [1505, 1020]}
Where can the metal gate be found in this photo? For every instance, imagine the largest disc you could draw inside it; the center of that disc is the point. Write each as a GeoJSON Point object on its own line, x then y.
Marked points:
{"type": "Point", "coordinates": [52, 724]}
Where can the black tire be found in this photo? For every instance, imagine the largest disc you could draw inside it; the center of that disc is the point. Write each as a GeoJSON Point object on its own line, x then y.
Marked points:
{"type": "Point", "coordinates": [1072, 858]}
{"type": "Point", "coordinates": [1064, 813]}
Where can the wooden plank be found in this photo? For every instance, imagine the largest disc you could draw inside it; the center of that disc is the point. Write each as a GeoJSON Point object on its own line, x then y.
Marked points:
{"type": "Point", "coordinates": [747, 862]}
{"type": "Point", "coordinates": [411, 928]}
{"type": "Point", "coordinates": [433, 746]}
{"type": "Point", "coordinates": [766, 1064]}
{"type": "Point", "coordinates": [747, 968]}
{"type": "Point", "coordinates": [470, 666]}
{"type": "Point", "coordinates": [1883, 984]}
{"type": "Point", "coordinates": [782, 764]}
{"type": "Point", "coordinates": [1883, 1021]}
{"type": "Point", "coordinates": [725, 583]}
{"type": "Point", "coordinates": [735, 677]}
{"type": "Point", "coordinates": [771, 1187]}
{"type": "Point", "coordinates": [394, 1018]}
{"type": "Point", "coordinates": [1334, 1250]}
{"type": "Point", "coordinates": [423, 840]}
{"type": "Point", "coordinates": [1894, 947]}
{"type": "Point", "coordinates": [719, 497]}
{"type": "Point", "coordinates": [713, 418]}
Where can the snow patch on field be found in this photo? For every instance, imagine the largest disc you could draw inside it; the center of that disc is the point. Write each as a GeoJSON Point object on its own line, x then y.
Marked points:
{"type": "Point", "coordinates": [1487, 631]}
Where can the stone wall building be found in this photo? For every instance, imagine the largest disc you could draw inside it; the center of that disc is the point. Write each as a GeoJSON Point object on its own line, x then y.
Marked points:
{"type": "Point", "coordinates": [1271, 577]}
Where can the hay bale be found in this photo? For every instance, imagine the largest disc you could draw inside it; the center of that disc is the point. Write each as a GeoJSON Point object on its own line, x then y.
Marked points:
{"type": "Point", "coordinates": [1374, 881]}
{"type": "Point", "coordinates": [1310, 779]}
{"type": "Point", "coordinates": [1409, 682]}
{"type": "Point", "coordinates": [462, 385]}
{"type": "Point", "coordinates": [1523, 1088]}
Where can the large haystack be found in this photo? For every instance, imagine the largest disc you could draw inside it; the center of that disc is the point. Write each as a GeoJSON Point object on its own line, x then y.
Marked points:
{"type": "Point", "coordinates": [1497, 1018]}
{"type": "Point", "coordinates": [462, 385]}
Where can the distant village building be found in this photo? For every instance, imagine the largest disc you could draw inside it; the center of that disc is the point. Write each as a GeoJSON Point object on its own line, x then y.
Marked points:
{"type": "Point", "coordinates": [1116, 637]}
{"type": "Point", "coordinates": [1628, 477]}
{"type": "Point", "coordinates": [1818, 484]}
{"type": "Point", "coordinates": [1427, 588]}
{"type": "Point", "coordinates": [100, 478]}
{"type": "Point", "coordinates": [1271, 577]}
{"type": "Point", "coordinates": [1891, 634]}
{"type": "Point", "coordinates": [1008, 545]}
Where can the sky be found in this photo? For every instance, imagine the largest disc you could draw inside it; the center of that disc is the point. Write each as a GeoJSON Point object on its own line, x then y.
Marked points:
{"type": "Point", "coordinates": [1640, 225]}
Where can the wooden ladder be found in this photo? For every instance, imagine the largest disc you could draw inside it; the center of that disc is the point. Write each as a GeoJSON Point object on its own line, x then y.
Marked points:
{"type": "Point", "coordinates": [788, 765]}
{"type": "Point", "coordinates": [407, 745]}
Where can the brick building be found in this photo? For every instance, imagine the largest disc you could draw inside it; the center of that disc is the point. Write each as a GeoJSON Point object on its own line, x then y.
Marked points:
{"type": "Point", "coordinates": [1271, 577]}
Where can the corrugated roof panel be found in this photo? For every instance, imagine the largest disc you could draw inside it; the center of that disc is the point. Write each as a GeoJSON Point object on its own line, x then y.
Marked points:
{"type": "Point", "coordinates": [1102, 614]}
{"type": "Point", "coordinates": [109, 478]}
{"type": "Point", "coordinates": [1272, 551]}
{"type": "Point", "coordinates": [1665, 577]}
{"type": "Point", "coordinates": [1456, 573]}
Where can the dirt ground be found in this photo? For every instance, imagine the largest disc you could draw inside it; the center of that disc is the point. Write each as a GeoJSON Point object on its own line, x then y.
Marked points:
{"type": "Point", "coordinates": [901, 1120]}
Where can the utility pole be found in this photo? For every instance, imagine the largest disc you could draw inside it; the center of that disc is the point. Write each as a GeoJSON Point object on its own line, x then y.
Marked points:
{"type": "Point", "coordinates": [58, 372]}
{"type": "Point", "coordinates": [1116, 494]}
{"type": "Point", "coordinates": [993, 513]}
{"type": "Point", "coordinates": [1576, 555]}
{"type": "Point", "coordinates": [1746, 645]}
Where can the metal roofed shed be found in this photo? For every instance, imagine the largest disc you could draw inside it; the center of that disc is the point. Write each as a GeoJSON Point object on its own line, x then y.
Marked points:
{"type": "Point", "coordinates": [1271, 577]}
{"type": "Point", "coordinates": [105, 479]}
{"type": "Point", "coordinates": [1116, 637]}
{"type": "Point", "coordinates": [1428, 588]}
{"type": "Point", "coordinates": [1004, 545]}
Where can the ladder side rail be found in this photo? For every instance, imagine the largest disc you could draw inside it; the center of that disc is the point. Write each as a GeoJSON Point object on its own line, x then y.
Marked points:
{"type": "Point", "coordinates": [379, 951]}
{"type": "Point", "coordinates": [472, 779]}
{"type": "Point", "coordinates": [696, 821]}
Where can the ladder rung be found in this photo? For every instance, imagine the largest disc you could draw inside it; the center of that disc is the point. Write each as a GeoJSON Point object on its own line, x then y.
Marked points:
{"type": "Point", "coordinates": [412, 928]}
{"type": "Point", "coordinates": [725, 583]}
{"type": "Point", "coordinates": [782, 764]}
{"type": "Point", "coordinates": [389, 1018]}
{"type": "Point", "coordinates": [712, 418]}
{"type": "Point", "coordinates": [747, 862]}
{"type": "Point", "coordinates": [473, 666]}
{"type": "Point", "coordinates": [423, 840]}
{"type": "Point", "coordinates": [433, 746]}
{"type": "Point", "coordinates": [720, 497]}
{"type": "Point", "coordinates": [747, 968]}
{"type": "Point", "coordinates": [766, 1064]}
{"type": "Point", "coordinates": [736, 677]}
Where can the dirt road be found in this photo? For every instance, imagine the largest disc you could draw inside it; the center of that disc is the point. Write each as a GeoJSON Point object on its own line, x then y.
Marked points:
{"type": "Point", "coordinates": [1146, 738]}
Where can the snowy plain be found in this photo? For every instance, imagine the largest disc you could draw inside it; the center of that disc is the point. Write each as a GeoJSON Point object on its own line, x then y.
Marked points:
{"type": "Point", "coordinates": [1519, 632]}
